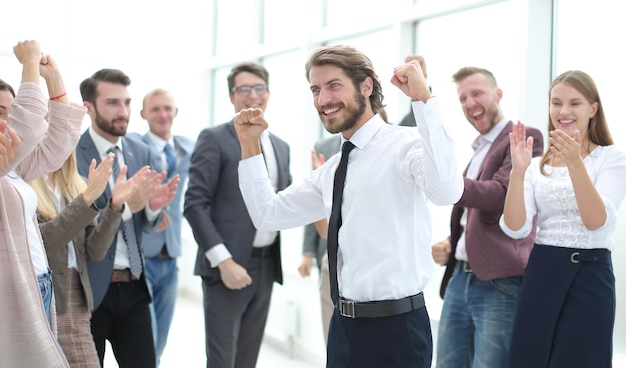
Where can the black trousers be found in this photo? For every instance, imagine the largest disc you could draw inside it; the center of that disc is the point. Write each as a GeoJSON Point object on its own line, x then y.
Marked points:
{"type": "Point", "coordinates": [399, 341]}
{"type": "Point", "coordinates": [123, 318]}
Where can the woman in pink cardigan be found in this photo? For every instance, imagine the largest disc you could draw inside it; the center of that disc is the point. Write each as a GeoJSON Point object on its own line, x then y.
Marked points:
{"type": "Point", "coordinates": [27, 327]}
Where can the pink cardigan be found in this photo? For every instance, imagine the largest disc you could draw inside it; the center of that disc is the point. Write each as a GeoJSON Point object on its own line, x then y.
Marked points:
{"type": "Point", "coordinates": [25, 338]}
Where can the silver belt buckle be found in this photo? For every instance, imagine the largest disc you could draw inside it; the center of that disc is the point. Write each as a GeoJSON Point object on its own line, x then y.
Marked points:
{"type": "Point", "coordinates": [346, 308]}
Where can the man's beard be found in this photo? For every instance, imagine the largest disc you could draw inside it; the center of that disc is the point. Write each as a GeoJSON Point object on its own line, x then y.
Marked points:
{"type": "Point", "coordinates": [110, 126]}
{"type": "Point", "coordinates": [354, 114]}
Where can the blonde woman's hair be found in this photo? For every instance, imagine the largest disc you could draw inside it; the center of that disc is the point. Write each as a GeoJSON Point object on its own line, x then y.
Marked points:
{"type": "Point", "coordinates": [67, 180]}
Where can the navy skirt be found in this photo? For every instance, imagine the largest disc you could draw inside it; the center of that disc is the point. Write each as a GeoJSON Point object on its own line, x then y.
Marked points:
{"type": "Point", "coordinates": [566, 310]}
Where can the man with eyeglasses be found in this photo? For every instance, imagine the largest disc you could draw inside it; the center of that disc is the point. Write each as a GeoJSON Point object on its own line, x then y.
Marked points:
{"type": "Point", "coordinates": [237, 263]}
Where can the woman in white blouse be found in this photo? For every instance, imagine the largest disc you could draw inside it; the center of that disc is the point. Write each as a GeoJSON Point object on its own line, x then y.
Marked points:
{"type": "Point", "coordinates": [566, 307]}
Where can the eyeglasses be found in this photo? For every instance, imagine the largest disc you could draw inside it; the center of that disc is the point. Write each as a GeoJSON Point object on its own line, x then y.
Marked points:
{"type": "Point", "coordinates": [245, 90]}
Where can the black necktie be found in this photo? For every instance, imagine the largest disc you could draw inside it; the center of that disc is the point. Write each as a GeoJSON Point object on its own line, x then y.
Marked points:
{"type": "Point", "coordinates": [335, 219]}
{"type": "Point", "coordinates": [128, 229]}
{"type": "Point", "coordinates": [171, 160]}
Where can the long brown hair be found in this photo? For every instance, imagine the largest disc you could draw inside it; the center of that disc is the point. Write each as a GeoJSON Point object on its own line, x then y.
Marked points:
{"type": "Point", "coordinates": [598, 130]}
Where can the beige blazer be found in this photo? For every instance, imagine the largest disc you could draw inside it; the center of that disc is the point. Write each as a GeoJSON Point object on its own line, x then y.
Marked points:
{"type": "Point", "coordinates": [25, 338]}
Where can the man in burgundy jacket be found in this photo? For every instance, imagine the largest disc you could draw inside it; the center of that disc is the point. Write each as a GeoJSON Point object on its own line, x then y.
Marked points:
{"type": "Point", "coordinates": [484, 267]}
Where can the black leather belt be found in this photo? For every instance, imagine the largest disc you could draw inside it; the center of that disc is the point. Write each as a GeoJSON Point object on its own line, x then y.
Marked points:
{"type": "Point", "coordinates": [383, 308]}
{"type": "Point", "coordinates": [263, 252]}
{"type": "Point", "coordinates": [122, 276]}
{"type": "Point", "coordinates": [464, 266]}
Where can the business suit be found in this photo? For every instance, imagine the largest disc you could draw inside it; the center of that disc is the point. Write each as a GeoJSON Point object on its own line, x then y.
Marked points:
{"type": "Point", "coordinates": [162, 248]}
{"type": "Point", "coordinates": [313, 243]}
{"type": "Point", "coordinates": [217, 215]}
{"type": "Point", "coordinates": [126, 303]}
{"type": "Point", "coordinates": [484, 294]}
{"type": "Point", "coordinates": [73, 295]}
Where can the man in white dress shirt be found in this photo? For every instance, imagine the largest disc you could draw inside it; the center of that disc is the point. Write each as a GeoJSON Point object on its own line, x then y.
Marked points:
{"type": "Point", "coordinates": [383, 243]}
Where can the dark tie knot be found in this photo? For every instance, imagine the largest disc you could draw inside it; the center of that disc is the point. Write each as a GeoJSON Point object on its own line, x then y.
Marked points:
{"type": "Point", "coordinates": [347, 147]}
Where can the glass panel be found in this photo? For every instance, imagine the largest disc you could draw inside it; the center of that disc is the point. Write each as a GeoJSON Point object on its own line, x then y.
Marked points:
{"type": "Point", "coordinates": [280, 23]}
{"type": "Point", "coordinates": [347, 14]}
{"type": "Point", "coordinates": [238, 29]}
{"type": "Point", "coordinates": [223, 109]}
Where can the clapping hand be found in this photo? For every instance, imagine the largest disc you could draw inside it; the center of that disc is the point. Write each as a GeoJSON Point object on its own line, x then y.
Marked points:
{"type": "Point", "coordinates": [521, 148]}
{"type": "Point", "coordinates": [8, 144]}
{"type": "Point", "coordinates": [162, 194]}
{"type": "Point", "coordinates": [98, 179]}
{"type": "Point", "coordinates": [564, 148]}
{"type": "Point", "coordinates": [146, 181]}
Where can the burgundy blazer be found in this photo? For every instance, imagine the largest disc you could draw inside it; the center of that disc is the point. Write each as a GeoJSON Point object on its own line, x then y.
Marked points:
{"type": "Point", "coordinates": [491, 253]}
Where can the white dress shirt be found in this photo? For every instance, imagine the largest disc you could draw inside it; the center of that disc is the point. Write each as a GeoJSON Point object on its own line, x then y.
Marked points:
{"type": "Point", "coordinates": [384, 242]}
{"type": "Point", "coordinates": [552, 198]}
{"type": "Point", "coordinates": [121, 250]}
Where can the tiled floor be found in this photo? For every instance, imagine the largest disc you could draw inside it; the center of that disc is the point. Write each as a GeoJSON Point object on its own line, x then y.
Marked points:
{"type": "Point", "coordinates": [185, 347]}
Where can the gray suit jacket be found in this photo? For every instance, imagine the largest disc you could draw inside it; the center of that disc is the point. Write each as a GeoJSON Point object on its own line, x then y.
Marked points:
{"type": "Point", "coordinates": [313, 243]}
{"type": "Point", "coordinates": [171, 236]}
{"type": "Point", "coordinates": [214, 206]}
{"type": "Point", "coordinates": [77, 222]}
{"type": "Point", "coordinates": [136, 155]}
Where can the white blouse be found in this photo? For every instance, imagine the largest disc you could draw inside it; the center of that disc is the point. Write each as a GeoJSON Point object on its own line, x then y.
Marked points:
{"type": "Point", "coordinates": [552, 199]}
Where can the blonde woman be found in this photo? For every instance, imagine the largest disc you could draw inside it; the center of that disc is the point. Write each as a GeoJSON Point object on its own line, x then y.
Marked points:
{"type": "Point", "coordinates": [71, 233]}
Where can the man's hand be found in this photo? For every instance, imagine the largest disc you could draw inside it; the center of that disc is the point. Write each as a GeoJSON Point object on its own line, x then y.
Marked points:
{"type": "Point", "coordinates": [419, 59]}
{"type": "Point", "coordinates": [411, 80]}
{"type": "Point", "coordinates": [318, 160]}
{"type": "Point", "coordinates": [233, 275]}
{"type": "Point", "coordinates": [165, 222]}
{"type": "Point", "coordinates": [148, 180]}
{"type": "Point", "coordinates": [163, 194]}
{"type": "Point", "coordinates": [306, 265]}
{"type": "Point", "coordinates": [441, 252]}
{"type": "Point", "coordinates": [249, 124]}
{"type": "Point", "coordinates": [126, 190]}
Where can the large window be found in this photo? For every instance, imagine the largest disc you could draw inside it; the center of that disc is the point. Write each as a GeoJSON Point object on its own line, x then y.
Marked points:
{"type": "Point", "coordinates": [469, 38]}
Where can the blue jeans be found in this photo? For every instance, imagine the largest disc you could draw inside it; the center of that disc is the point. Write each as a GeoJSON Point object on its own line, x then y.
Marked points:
{"type": "Point", "coordinates": [476, 321]}
{"type": "Point", "coordinates": [45, 286]}
{"type": "Point", "coordinates": [162, 278]}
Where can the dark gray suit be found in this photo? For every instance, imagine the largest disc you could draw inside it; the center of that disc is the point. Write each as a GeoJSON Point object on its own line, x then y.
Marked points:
{"type": "Point", "coordinates": [234, 319]}
{"type": "Point", "coordinates": [124, 304]}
